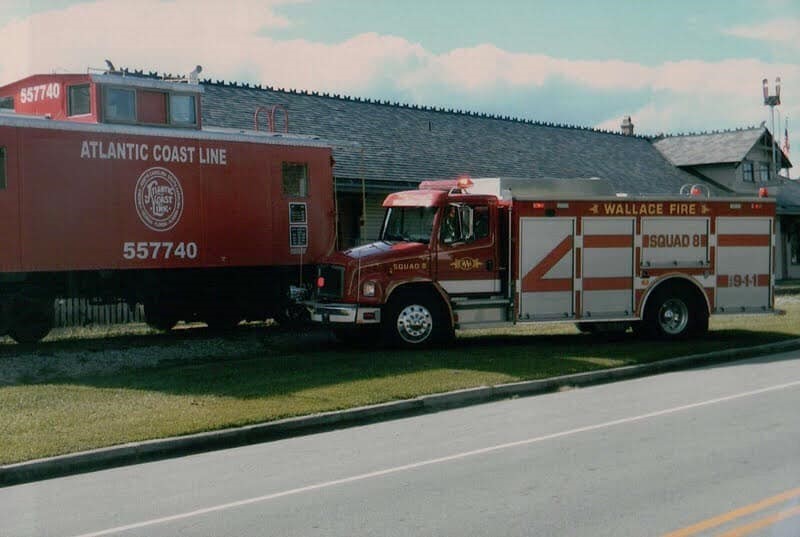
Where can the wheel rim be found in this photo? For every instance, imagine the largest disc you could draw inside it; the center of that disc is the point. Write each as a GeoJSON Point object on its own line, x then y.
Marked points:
{"type": "Point", "coordinates": [414, 323]}
{"type": "Point", "coordinates": [673, 316]}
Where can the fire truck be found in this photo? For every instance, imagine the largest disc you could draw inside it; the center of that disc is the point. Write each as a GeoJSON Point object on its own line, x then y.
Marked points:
{"type": "Point", "coordinates": [495, 252]}
{"type": "Point", "coordinates": [111, 190]}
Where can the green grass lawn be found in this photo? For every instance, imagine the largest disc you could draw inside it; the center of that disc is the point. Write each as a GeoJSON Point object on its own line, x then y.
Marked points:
{"type": "Point", "coordinates": [289, 379]}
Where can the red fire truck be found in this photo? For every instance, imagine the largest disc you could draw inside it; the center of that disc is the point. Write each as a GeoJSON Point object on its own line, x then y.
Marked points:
{"type": "Point", "coordinates": [503, 251]}
{"type": "Point", "coordinates": [110, 189]}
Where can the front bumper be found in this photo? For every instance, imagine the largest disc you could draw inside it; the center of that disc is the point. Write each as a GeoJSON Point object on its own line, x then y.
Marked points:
{"type": "Point", "coordinates": [322, 312]}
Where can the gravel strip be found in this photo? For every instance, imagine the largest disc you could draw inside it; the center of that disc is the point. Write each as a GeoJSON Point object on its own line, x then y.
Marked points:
{"type": "Point", "coordinates": [67, 359]}
{"type": "Point", "coordinates": [68, 356]}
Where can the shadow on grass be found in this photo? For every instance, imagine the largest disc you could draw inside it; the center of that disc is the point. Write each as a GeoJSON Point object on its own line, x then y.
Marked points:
{"type": "Point", "coordinates": [288, 367]}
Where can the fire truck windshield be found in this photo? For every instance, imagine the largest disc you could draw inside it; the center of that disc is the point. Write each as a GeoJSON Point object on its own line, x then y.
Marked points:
{"type": "Point", "coordinates": [412, 224]}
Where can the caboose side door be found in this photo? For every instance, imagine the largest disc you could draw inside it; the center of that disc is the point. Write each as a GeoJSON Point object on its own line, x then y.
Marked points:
{"type": "Point", "coordinates": [9, 200]}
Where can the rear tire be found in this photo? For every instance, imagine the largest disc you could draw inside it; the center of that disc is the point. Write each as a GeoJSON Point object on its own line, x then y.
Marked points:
{"type": "Point", "coordinates": [674, 313]}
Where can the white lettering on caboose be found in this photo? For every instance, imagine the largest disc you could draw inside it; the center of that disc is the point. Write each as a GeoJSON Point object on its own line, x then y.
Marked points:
{"type": "Point", "coordinates": [185, 154]}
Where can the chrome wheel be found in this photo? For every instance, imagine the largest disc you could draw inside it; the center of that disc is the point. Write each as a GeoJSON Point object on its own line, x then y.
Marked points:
{"type": "Point", "coordinates": [414, 323]}
{"type": "Point", "coordinates": [673, 316]}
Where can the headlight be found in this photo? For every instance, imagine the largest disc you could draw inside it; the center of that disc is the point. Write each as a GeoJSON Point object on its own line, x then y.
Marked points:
{"type": "Point", "coordinates": [368, 289]}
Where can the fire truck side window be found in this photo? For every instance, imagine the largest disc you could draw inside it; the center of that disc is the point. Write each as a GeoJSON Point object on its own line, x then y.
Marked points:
{"type": "Point", "coordinates": [2, 168]}
{"type": "Point", "coordinates": [295, 180]}
{"type": "Point", "coordinates": [120, 104]}
{"type": "Point", "coordinates": [182, 110]}
{"type": "Point", "coordinates": [480, 224]}
{"type": "Point", "coordinates": [79, 102]}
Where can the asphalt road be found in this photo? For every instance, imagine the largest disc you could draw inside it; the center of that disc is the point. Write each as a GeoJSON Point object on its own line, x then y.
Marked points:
{"type": "Point", "coordinates": [712, 451]}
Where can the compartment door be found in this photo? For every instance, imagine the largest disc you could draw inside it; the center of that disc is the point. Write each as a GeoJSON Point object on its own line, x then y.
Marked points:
{"type": "Point", "coordinates": [607, 264]}
{"type": "Point", "coordinates": [546, 268]}
{"type": "Point", "coordinates": [744, 264]}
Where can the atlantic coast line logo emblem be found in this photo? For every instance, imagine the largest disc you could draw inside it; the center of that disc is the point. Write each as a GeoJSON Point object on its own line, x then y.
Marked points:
{"type": "Point", "coordinates": [159, 199]}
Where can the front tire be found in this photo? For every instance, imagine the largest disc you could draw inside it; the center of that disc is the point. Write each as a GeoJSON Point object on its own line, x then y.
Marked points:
{"type": "Point", "coordinates": [416, 320]}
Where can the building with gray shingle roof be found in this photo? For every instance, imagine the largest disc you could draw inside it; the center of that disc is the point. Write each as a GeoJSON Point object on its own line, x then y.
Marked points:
{"type": "Point", "coordinates": [394, 147]}
{"type": "Point", "coordinates": [403, 144]}
{"type": "Point", "coordinates": [737, 161]}
{"type": "Point", "coordinates": [740, 162]}
{"type": "Point", "coordinates": [710, 148]}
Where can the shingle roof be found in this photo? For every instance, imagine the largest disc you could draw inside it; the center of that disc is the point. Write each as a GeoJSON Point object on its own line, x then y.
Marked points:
{"type": "Point", "coordinates": [710, 148]}
{"type": "Point", "coordinates": [788, 198]}
{"type": "Point", "coordinates": [403, 144]}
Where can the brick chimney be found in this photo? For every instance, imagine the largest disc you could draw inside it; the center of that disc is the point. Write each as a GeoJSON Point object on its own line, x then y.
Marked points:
{"type": "Point", "coordinates": [627, 126]}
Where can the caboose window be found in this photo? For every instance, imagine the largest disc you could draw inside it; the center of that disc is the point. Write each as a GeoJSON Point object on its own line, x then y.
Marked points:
{"type": "Point", "coordinates": [7, 103]}
{"type": "Point", "coordinates": [79, 100]}
{"type": "Point", "coordinates": [295, 180]}
{"type": "Point", "coordinates": [182, 110]}
{"type": "Point", "coordinates": [120, 104]}
{"type": "Point", "coordinates": [2, 168]}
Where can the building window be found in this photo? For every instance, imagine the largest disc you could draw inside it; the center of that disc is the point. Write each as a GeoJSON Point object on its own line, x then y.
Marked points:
{"type": "Point", "coordinates": [2, 168]}
{"type": "Point", "coordinates": [295, 180]}
{"type": "Point", "coordinates": [6, 103]}
{"type": "Point", "coordinates": [79, 102]}
{"type": "Point", "coordinates": [120, 104]}
{"type": "Point", "coordinates": [182, 110]}
{"type": "Point", "coordinates": [794, 243]}
{"type": "Point", "coordinates": [747, 170]}
{"type": "Point", "coordinates": [763, 172]}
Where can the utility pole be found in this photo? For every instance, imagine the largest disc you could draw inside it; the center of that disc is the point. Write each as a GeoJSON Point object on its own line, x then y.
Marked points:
{"type": "Point", "coordinates": [772, 101]}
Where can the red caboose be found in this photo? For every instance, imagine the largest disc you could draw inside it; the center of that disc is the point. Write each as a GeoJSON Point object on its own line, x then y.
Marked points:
{"type": "Point", "coordinates": [111, 190]}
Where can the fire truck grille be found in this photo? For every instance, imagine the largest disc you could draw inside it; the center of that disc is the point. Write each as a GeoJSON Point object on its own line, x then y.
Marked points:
{"type": "Point", "coordinates": [334, 281]}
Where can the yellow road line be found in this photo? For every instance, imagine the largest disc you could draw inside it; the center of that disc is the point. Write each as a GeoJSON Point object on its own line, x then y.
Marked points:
{"type": "Point", "coordinates": [733, 515]}
{"type": "Point", "coordinates": [763, 523]}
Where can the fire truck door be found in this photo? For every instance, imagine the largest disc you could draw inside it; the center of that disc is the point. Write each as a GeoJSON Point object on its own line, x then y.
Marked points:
{"type": "Point", "coordinates": [9, 201]}
{"type": "Point", "coordinates": [467, 258]}
{"type": "Point", "coordinates": [744, 264]}
{"type": "Point", "coordinates": [606, 262]}
{"type": "Point", "coordinates": [546, 268]}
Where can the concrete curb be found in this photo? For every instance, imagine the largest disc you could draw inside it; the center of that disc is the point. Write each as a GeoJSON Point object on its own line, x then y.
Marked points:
{"type": "Point", "coordinates": [137, 452]}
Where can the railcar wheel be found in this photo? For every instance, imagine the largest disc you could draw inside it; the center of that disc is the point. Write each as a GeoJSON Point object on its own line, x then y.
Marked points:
{"type": "Point", "coordinates": [416, 320]}
{"type": "Point", "coordinates": [222, 322]}
{"type": "Point", "coordinates": [32, 319]}
{"type": "Point", "coordinates": [160, 316]}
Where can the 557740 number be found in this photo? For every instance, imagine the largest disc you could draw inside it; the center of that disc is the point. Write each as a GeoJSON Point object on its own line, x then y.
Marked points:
{"type": "Point", "coordinates": [159, 250]}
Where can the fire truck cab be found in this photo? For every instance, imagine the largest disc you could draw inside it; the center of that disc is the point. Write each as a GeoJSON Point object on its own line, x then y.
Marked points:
{"type": "Point", "coordinates": [475, 253]}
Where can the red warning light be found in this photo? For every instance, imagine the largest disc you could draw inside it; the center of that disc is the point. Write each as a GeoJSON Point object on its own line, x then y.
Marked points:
{"type": "Point", "coordinates": [320, 282]}
{"type": "Point", "coordinates": [464, 182]}
{"type": "Point", "coordinates": [763, 192]}
{"type": "Point", "coordinates": [538, 205]}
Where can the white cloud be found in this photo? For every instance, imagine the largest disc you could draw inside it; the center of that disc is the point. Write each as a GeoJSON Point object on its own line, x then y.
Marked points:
{"type": "Point", "coordinates": [783, 30]}
{"type": "Point", "coordinates": [231, 38]}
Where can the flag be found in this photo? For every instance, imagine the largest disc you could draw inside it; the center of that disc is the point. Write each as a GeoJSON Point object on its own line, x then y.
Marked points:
{"type": "Point", "coordinates": [786, 138]}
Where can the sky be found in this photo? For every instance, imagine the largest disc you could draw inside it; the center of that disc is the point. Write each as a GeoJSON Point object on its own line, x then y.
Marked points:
{"type": "Point", "coordinates": [674, 67]}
